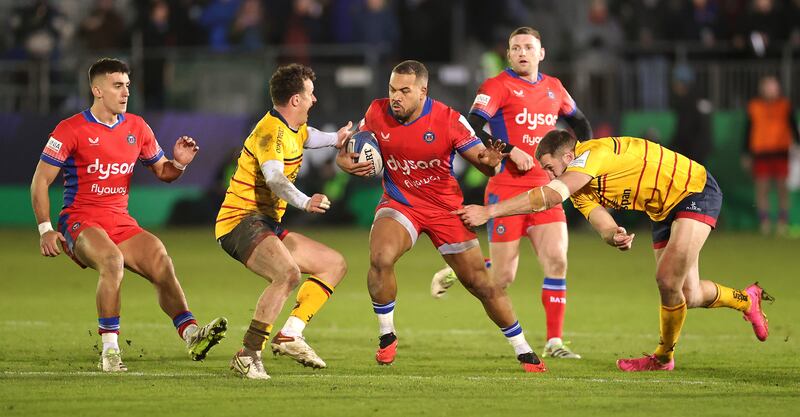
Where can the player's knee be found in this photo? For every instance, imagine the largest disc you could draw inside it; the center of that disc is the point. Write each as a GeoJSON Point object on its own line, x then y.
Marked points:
{"type": "Point", "coordinates": [290, 277]}
{"type": "Point", "coordinates": [668, 280]}
{"type": "Point", "coordinates": [478, 283]}
{"type": "Point", "coordinates": [339, 266]}
{"type": "Point", "coordinates": [380, 261]}
{"type": "Point", "coordinates": [555, 265]}
{"type": "Point", "coordinates": [111, 265]}
{"type": "Point", "coordinates": [503, 278]}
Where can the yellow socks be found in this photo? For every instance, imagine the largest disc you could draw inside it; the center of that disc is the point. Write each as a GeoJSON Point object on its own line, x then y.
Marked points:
{"type": "Point", "coordinates": [731, 298]}
{"type": "Point", "coordinates": [310, 298]}
{"type": "Point", "coordinates": [256, 336]}
{"type": "Point", "coordinates": [672, 319]}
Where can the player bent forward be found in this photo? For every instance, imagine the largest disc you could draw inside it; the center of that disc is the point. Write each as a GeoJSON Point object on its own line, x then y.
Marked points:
{"type": "Point", "coordinates": [681, 198]}
{"type": "Point", "coordinates": [97, 149]}
{"type": "Point", "coordinates": [249, 223]}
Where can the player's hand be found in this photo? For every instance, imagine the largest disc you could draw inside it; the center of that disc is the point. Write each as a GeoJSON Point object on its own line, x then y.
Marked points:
{"type": "Point", "coordinates": [493, 154]}
{"type": "Point", "coordinates": [319, 203]}
{"type": "Point", "coordinates": [620, 239]}
{"type": "Point", "coordinates": [185, 150]}
{"type": "Point", "coordinates": [521, 159]}
{"type": "Point", "coordinates": [49, 243]}
{"type": "Point", "coordinates": [346, 161]}
{"type": "Point", "coordinates": [344, 134]}
{"type": "Point", "coordinates": [473, 215]}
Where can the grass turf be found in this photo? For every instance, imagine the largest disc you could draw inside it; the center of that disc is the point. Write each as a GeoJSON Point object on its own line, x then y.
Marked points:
{"type": "Point", "coordinates": [452, 360]}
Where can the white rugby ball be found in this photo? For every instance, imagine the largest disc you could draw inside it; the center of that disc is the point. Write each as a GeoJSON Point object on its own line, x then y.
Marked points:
{"type": "Point", "coordinates": [366, 145]}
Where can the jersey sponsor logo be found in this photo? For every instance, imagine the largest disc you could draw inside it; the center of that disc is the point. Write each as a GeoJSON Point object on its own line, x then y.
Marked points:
{"type": "Point", "coordinates": [580, 161]}
{"type": "Point", "coordinates": [385, 136]}
{"type": "Point", "coordinates": [420, 182]}
{"type": "Point", "coordinates": [406, 166]}
{"type": "Point", "coordinates": [104, 190]}
{"type": "Point", "coordinates": [518, 93]}
{"type": "Point", "coordinates": [626, 199]}
{"type": "Point", "coordinates": [131, 139]}
{"type": "Point", "coordinates": [107, 170]}
{"type": "Point", "coordinates": [428, 137]}
{"type": "Point", "coordinates": [534, 120]}
{"type": "Point", "coordinates": [95, 141]}
{"type": "Point", "coordinates": [531, 140]}
{"type": "Point", "coordinates": [53, 144]}
{"type": "Point", "coordinates": [482, 100]}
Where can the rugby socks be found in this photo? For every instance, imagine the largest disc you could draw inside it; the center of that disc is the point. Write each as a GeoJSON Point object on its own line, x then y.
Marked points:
{"type": "Point", "coordinates": [731, 298]}
{"type": "Point", "coordinates": [256, 336]}
{"type": "Point", "coordinates": [385, 313]}
{"type": "Point", "coordinates": [185, 324]}
{"type": "Point", "coordinates": [554, 301]}
{"type": "Point", "coordinates": [672, 319]}
{"type": "Point", "coordinates": [310, 298]}
{"type": "Point", "coordinates": [108, 328]}
{"type": "Point", "coordinates": [516, 338]}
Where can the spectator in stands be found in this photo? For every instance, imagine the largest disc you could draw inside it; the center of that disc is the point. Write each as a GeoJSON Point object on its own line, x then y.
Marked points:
{"type": "Point", "coordinates": [377, 25]}
{"type": "Point", "coordinates": [771, 126]}
{"type": "Point", "coordinates": [157, 33]}
{"type": "Point", "coordinates": [304, 27]}
{"type": "Point", "coordinates": [764, 29]}
{"type": "Point", "coordinates": [597, 40]}
{"type": "Point", "coordinates": [249, 26]}
{"type": "Point", "coordinates": [38, 29]}
{"type": "Point", "coordinates": [217, 17]}
{"type": "Point", "coordinates": [104, 28]}
{"type": "Point", "coordinates": [692, 137]}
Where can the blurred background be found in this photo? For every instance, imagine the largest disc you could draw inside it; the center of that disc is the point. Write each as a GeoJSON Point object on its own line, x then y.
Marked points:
{"type": "Point", "coordinates": [680, 72]}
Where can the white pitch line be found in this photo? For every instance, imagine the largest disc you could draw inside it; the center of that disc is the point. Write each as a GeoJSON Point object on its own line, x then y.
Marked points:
{"type": "Point", "coordinates": [542, 379]}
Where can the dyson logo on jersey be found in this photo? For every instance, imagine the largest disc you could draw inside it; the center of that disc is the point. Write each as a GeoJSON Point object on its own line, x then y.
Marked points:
{"type": "Point", "coordinates": [534, 120]}
{"type": "Point", "coordinates": [406, 166]}
{"type": "Point", "coordinates": [107, 170]}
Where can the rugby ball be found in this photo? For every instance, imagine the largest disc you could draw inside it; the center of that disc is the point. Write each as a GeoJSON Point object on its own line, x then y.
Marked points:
{"type": "Point", "coordinates": [366, 146]}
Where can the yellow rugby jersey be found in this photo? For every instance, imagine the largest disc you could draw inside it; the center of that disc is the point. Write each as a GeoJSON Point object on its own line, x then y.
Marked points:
{"type": "Point", "coordinates": [634, 174]}
{"type": "Point", "coordinates": [271, 139]}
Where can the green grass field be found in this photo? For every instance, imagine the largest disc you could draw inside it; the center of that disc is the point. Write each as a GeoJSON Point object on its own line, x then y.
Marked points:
{"type": "Point", "coordinates": [452, 360]}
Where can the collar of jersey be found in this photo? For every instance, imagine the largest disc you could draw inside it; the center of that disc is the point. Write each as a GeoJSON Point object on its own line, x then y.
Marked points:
{"type": "Point", "coordinates": [276, 114]}
{"type": "Point", "coordinates": [426, 108]}
{"type": "Point", "coordinates": [511, 72]}
{"type": "Point", "coordinates": [87, 114]}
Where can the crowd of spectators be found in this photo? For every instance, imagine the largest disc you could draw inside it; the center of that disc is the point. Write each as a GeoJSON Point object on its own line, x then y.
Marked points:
{"type": "Point", "coordinates": [41, 28]}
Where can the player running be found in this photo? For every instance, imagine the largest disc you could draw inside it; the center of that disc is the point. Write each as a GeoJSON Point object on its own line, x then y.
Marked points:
{"type": "Point", "coordinates": [249, 223]}
{"type": "Point", "coordinates": [521, 105]}
{"type": "Point", "coordinates": [98, 149]}
{"type": "Point", "coordinates": [418, 137]}
{"type": "Point", "coordinates": [681, 198]}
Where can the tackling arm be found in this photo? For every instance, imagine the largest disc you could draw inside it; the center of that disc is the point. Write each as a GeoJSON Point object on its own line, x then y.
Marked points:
{"type": "Point", "coordinates": [281, 186]}
{"type": "Point", "coordinates": [541, 198]}
{"type": "Point", "coordinates": [608, 229]}
{"type": "Point", "coordinates": [580, 125]}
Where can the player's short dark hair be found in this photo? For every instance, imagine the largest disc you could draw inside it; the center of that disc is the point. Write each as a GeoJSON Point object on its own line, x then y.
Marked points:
{"type": "Point", "coordinates": [555, 142]}
{"type": "Point", "coordinates": [525, 30]}
{"type": "Point", "coordinates": [107, 66]}
{"type": "Point", "coordinates": [287, 81]}
{"type": "Point", "coordinates": [413, 67]}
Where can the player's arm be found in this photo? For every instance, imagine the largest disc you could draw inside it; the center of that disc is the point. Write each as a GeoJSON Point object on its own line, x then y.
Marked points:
{"type": "Point", "coordinates": [520, 158]}
{"type": "Point", "coordinates": [486, 159]}
{"type": "Point", "coordinates": [183, 153]}
{"type": "Point", "coordinates": [535, 200]}
{"type": "Point", "coordinates": [283, 188]}
{"type": "Point", "coordinates": [609, 230]}
{"type": "Point", "coordinates": [579, 124]}
{"type": "Point", "coordinates": [319, 139]}
{"type": "Point", "coordinates": [49, 239]}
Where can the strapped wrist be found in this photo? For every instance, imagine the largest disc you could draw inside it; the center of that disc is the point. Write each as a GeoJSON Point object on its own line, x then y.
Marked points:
{"type": "Point", "coordinates": [45, 227]}
{"type": "Point", "coordinates": [179, 166]}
